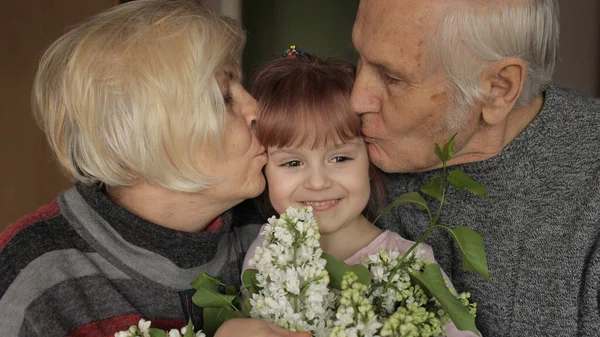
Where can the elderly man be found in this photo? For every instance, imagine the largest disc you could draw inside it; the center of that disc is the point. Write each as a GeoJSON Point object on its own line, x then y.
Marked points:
{"type": "Point", "coordinates": [431, 68]}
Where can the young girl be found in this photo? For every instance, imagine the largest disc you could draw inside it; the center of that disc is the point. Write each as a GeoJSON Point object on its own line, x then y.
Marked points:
{"type": "Point", "coordinates": [318, 158]}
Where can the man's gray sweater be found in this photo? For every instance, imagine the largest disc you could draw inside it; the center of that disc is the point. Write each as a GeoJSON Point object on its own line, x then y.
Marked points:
{"type": "Point", "coordinates": [541, 225]}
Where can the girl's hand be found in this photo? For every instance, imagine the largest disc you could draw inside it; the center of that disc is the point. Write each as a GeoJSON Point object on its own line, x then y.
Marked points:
{"type": "Point", "coordinates": [249, 327]}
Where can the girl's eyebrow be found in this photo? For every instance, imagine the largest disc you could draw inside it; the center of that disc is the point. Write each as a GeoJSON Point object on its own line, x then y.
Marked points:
{"type": "Point", "coordinates": [281, 150]}
{"type": "Point", "coordinates": [292, 151]}
{"type": "Point", "coordinates": [350, 143]}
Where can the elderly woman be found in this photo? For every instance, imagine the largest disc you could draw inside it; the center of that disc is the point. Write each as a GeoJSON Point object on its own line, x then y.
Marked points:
{"type": "Point", "coordinates": [144, 109]}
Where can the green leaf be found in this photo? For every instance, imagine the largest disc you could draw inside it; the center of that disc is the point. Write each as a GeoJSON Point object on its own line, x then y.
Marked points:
{"type": "Point", "coordinates": [413, 198]}
{"type": "Point", "coordinates": [205, 297]}
{"type": "Point", "coordinates": [189, 332]}
{"type": "Point", "coordinates": [337, 269]}
{"type": "Point", "coordinates": [205, 281]}
{"type": "Point", "coordinates": [433, 282]}
{"type": "Point", "coordinates": [471, 247]}
{"type": "Point", "coordinates": [231, 290]}
{"type": "Point", "coordinates": [461, 180]}
{"type": "Point", "coordinates": [434, 188]}
{"type": "Point", "coordinates": [247, 305]}
{"type": "Point", "coordinates": [157, 332]}
{"type": "Point", "coordinates": [214, 317]}
{"type": "Point", "coordinates": [448, 151]}
{"type": "Point", "coordinates": [249, 280]}
{"type": "Point", "coordinates": [438, 152]}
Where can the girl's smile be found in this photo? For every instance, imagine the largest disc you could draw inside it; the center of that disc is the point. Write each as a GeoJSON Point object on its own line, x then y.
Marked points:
{"type": "Point", "coordinates": [321, 206]}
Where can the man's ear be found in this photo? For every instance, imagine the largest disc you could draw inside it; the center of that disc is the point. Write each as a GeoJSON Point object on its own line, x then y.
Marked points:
{"type": "Point", "coordinates": [503, 83]}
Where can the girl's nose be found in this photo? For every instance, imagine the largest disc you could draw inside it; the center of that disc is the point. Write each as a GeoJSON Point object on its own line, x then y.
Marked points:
{"type": "Point", "coordinates": [318, 179]}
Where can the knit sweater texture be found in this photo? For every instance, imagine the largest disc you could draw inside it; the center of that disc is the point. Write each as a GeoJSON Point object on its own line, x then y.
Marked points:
{"type": "Point", "coordinates": [83, 266]}
{"type": "Point", "coordinates": [540, 223]}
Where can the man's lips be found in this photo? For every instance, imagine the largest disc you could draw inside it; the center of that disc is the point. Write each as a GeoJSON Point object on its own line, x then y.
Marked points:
{"type": "Point", "coordinates": [367, 137]}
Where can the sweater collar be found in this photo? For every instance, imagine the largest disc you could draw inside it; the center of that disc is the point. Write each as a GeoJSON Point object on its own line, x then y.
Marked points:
{"type": "Point", "coordinates": [185, 249]}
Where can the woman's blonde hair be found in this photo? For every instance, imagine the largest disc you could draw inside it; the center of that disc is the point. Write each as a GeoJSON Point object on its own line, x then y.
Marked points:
{"type": "Point", "coordinates": [131, 93]}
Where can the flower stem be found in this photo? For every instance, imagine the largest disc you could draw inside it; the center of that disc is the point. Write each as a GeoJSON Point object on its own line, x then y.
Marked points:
{"type": "Point", "coordinates": [432, 225]}
{"type": "Point", "coordinates": [444, 183]}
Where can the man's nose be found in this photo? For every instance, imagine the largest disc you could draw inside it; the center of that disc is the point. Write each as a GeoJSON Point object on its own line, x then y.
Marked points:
{"type": "Point", "coordinates": [365, 97]}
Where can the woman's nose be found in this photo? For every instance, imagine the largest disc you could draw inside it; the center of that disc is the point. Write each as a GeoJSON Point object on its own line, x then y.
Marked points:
{"type": "Point", "coordinates": [249, 109]}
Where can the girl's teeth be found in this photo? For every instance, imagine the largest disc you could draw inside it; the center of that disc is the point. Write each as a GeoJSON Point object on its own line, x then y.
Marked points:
{"type": "Point", "coordinates": [320, 203]}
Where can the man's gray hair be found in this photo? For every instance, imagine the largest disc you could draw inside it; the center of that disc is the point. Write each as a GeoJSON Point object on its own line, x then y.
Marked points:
{"type": "Point", "coordinates": [478, 33]}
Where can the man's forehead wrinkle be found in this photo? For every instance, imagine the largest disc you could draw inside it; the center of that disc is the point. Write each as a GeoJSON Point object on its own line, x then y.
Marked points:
{"type": "Point", "coordinates": [395, 35]}
{"type": "Point", "coordinates": [397, 21]}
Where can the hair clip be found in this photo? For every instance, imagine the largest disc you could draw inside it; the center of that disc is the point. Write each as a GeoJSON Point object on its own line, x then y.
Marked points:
{"type": "Point", "coordinates": [294, 51]}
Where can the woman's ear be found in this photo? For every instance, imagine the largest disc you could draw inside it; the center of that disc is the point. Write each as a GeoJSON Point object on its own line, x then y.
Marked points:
{"type": "Point", "coordinates": [503, 83]}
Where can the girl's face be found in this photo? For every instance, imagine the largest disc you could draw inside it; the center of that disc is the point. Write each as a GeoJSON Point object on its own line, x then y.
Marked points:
{"type": "Point", "coordinates": [333, 179]}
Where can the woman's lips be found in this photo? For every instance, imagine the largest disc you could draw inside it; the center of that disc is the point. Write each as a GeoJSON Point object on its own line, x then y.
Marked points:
{"type": "Point", "coordinates": [263, 152]}
{"type": "Point", "coordinates": [369, 139]}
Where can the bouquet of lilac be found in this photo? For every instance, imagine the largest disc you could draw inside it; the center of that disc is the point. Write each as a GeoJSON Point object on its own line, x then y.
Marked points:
{"type": "Point", "coordinates": [291, 286]}
{"type": "Point", "coordinates": [296, 286]}
{"type": "Point", "coordinates": [291, 275]}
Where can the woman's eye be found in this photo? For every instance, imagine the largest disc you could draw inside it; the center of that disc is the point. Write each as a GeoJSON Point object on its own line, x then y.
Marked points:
{"type": "Point", "coordinates": [227, 98]}
{"type": "Point", "coordinates": [292, 163]}
{"type": "Point", "coordinates": [340, 159]}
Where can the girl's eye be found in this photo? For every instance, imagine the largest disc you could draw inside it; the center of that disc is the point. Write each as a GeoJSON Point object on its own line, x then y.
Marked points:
{"type": "Point", "coordinates": [292, 163]}
{"type": "Point", "coordinates": [340, 159]}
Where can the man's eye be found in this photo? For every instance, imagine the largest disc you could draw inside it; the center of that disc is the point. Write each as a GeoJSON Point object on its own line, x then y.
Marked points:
{"type": "Point", "coordinates": [391, 78]}
{"type": "Point", "coordinates": [339, 159]}
{"type": "Point", "coordinates": [292, 163]}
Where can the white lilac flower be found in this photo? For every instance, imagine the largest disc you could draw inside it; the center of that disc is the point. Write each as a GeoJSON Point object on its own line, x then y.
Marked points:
{"type": "Point", "coordinates": [174, 333]}
{"type": "Point", "coordinates": [181, 333]}
{"type": "Point", "coordinates": [144, 325]}
{"type": "Point", "coordinates": [140, 330]}
{"type": "Point", "coordinates": [355, 315]}
{"type": "Point", "coordinates": [292, 275]}
{"type": "Point", "coordinates": [143, 330]}
{"type": "Point", "coordinates": [414, 321]}
{"type": "Point", "coordinates": [401, 305]}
